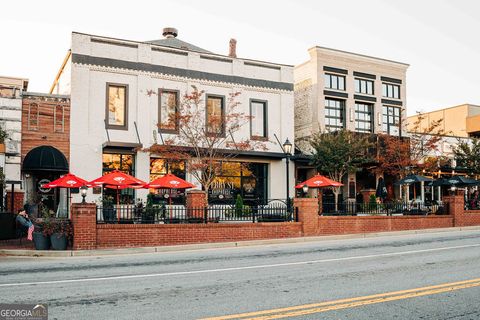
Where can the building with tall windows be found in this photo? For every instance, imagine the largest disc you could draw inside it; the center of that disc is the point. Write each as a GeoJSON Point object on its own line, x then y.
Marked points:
{"type": "Point", "coordinates": [336, 90]}
{"type": "Point", "coordinates": [125, 94]}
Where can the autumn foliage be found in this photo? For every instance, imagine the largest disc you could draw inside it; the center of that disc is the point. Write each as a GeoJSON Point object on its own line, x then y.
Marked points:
{"type": "Point", "coordinates": [203, 145]}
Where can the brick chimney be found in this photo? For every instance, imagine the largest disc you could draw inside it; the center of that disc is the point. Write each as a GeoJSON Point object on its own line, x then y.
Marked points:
{"type": "Point", "coordinates": [232, 48]}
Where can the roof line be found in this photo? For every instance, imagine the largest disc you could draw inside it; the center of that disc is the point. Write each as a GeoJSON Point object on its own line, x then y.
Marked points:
{"type": "Point", "coordinates": [201, 52]}
{"type": "Point", "coordinates": [442, 109]}
{"type": "Point", "coordinates": [361, 55]}
{"type": "Point", "coordinates": [40, 94]}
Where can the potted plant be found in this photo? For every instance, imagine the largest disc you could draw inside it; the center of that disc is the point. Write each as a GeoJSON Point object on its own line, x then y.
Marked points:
{"type": "Point", "coordinates": [43, 230]}
{"type": "Point", "coordinates": [62, 234]}
{"type": "Point", "coordinates": [108, 209]}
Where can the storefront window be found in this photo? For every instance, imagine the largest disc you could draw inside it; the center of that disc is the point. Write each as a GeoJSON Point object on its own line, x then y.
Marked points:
{"type": "Point", "coordinates": [159, 168]}
{"type": "Point", "coordinates": [249, 180]}
{"type": "Point", "coordinates": [124, 163]}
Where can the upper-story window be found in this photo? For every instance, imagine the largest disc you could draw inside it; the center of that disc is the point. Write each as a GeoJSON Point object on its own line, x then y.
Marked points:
{"type": "Point", "coordinates": [334, 114]}
{"type": "Point", "coordinates": [215, 121]}
{"type": "Point", "coordinates": [59, 118]}
{"type": "Point", "coordinates": [117, 106]}
{"type": "Point", "coordinates": [391, 90]}
{"type": "Point", "coordinates": [33, 115]}
{"type": "Point", "coordinates": [168, 111]}
{"type": "Point", "coordinates": [363, 86]}
{"type": "Point", "coordinates": [391, 123]}
{"type": "Point", "coordinates": [333, 81]}
{"type": "Point", "coordinates": [258, 120]}
{"type": "Point", "coordinates": [363, 117]}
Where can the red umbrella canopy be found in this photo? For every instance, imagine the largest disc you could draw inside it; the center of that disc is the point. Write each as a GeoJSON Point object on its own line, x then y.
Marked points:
{"type": "Point", "coordinates": [169, 181]}
{"type": "Point", "coordinates": [67, 181]}
{"type": "Point", "coordinates": [319, 181]}
{"type": "Point", "coordinates": [116, 180]}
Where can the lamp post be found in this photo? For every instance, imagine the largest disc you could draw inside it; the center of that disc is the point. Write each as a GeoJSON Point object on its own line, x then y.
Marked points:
{"type": "Point", "coordinates": [305, 190]}
{"type": "Point", "coordinates": [287, 148]}
{"type": "Point", "coordinates": [83, 193]}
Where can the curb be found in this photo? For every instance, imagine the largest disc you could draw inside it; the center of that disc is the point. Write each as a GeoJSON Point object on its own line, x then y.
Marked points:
{"type": "Point", "coordinates": [218, 245]}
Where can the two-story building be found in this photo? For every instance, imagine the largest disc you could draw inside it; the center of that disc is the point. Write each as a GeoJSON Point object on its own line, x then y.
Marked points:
{"type": "Point", "coordinates": [11, 91]}
{"type": "Point", "coordinates": [336, 90]}
{"type": "Point", "coordinates": [114, 116]}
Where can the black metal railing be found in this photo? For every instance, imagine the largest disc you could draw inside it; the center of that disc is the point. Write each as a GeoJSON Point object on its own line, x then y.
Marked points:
{"type": "Point", "coordinates": [269, 211]}
{"type": "Point", "coordinates": [346, 208]}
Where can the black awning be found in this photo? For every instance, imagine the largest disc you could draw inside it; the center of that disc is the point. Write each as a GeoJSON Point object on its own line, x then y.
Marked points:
{"type": "Point", "coordinates": [45, 158]}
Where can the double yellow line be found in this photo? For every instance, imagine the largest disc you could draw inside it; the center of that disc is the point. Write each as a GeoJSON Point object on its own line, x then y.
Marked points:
{"type": "Point", "coordinates": [350, 302]}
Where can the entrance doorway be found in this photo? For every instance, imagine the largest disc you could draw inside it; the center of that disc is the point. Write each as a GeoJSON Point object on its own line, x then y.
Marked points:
{"type": "Point", "coordinates": [40, 166]}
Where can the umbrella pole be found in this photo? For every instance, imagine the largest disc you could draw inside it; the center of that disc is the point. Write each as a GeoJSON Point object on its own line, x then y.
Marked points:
{"type": "Point", "coordinates": [118, 207]}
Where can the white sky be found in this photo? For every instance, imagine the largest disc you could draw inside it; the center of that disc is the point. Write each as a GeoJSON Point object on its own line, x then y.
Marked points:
{"type": "Point", "coordinates": [438, 38]}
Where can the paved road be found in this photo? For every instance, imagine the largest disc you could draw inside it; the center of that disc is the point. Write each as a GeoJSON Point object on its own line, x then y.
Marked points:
{"type": "Point", "coordinates": [423, 276]}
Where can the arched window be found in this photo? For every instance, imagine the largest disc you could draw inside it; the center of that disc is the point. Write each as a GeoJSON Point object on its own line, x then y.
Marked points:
{"type": "Point", "coordinates": [33, 116]}
{"type": "Point", "coordinates": [59, 118]}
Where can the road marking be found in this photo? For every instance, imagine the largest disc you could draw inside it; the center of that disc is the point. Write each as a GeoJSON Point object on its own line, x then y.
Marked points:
{"type": "Point", "coordinates": [307, 309]}
{"type": "Point", "coordinates": [263, 266]}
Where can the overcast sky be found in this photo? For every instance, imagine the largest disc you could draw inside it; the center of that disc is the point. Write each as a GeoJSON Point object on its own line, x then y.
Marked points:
{"type": "Point", "coordinates": [438, 38]}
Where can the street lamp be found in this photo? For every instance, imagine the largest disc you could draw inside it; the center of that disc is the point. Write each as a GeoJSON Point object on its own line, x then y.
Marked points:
{"type": "Point", "coordinates": [287, 148]}
{"type": "Point", "coordinates": [305, 189]}
{"type": "Point", "coordinates": [83, 193]}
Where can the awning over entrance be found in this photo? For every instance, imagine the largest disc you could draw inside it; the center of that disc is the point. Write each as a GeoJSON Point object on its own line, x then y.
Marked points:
{"type": "Point", "coordinates": [45, 158]}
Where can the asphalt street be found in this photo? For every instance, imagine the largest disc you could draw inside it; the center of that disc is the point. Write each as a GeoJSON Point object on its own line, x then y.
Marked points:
{"type": "Point", "coordinates": [419, 276]}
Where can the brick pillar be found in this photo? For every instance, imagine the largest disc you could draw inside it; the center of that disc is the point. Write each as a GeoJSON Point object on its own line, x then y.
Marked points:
{"type": "Point", "coordinates": [456, 208]}
{"type": "Point", "coordinates": [18, 200]}
{"type": "Point", "coordinates": [307, 210]}
{"type": "Point", "coordinates": [84, 220]}
{"type": "Point", "coordinates": [196, 203]}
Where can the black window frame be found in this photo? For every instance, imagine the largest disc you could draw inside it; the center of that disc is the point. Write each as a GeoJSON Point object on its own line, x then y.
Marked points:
{"type": "Point", "coordinates": [386, 126]}
{"type": "Point", "coordinates": [114, 126]}
{"type": "Point", "coordinates": [265, 120]}
{"type": "Point", "coordinates": [388, 90]}
{"type": "Point", "coordinates": [369, 113]}
{"type": "Point", "coordinates": [177, 96]}
{"type": "Point", "coordinates": [214, 96]}
{"type": "Point", "coordinates": [366, 81]}
{"type": "Point", "coordinates": [342, 117]}
{"type": "Point", "coordinates": [331, 76]}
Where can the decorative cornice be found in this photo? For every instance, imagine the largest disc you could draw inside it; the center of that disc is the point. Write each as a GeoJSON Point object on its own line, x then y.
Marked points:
{"type": "Point", "coordinates": [180, 73]}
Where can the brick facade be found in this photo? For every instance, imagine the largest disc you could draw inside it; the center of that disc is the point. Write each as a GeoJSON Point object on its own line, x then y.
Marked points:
{"type": "Point", "coordinates": [18, 201]}
{"type": "Point", "coordinates": [45, 121]}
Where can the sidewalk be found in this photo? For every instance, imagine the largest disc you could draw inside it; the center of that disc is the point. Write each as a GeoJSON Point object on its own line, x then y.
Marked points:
{"type": "Point", "coordinates": [22, 252]}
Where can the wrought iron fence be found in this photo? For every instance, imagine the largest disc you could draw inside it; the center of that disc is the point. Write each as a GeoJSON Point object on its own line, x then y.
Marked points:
{"type": "Point", "coordinates": [346, 208]}
{"type": "Point", "coordinates": [268, 211]}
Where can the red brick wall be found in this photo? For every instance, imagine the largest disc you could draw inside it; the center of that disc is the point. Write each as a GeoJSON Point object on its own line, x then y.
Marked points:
{"type": "Point", "coordinates": [45, 133]}
{"type": "Point", "coordinates": [468, 218]}
{"type": "Point", "coordinates": [350, 225]}
{"type": "Point", "coordinates": [18, 201]}
{"type": "Point", "coordinates": [138, 235]}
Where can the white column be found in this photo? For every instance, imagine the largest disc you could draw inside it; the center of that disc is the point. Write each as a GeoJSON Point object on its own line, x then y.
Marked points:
{"type": "Point", "coordinates": [422, 191]}
{"type": "Point", "coordinates": [439, 190]}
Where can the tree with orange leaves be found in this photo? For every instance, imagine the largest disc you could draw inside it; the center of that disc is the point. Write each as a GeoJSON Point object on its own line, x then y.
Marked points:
{"type": "Point", "coordinates": [399, 156]}
{"type": "Point", "coordinates": [204, 145]}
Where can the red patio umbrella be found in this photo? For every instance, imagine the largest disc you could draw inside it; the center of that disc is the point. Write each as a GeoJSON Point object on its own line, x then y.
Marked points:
{"type": "Point", "coordinates": [319, 181]}
{"type": "Point", "coordinates": [117, 180]}
{"type": "Point", "coordinates": [68, 181]}
{"type": "Point", "coordinates": [169, 181]}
